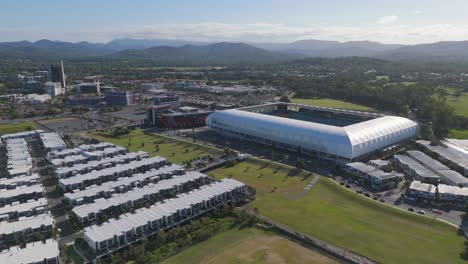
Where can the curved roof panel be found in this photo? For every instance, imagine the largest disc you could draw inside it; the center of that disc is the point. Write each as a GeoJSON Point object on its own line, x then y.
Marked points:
{"type": "Point", "coordinates": [348, 142]}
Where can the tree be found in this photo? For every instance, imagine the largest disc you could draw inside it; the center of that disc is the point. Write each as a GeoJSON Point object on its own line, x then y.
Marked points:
{"type": "Point", "coordinates": [300, 164]}
{"type": "Point", "coordinates": [285, 99]}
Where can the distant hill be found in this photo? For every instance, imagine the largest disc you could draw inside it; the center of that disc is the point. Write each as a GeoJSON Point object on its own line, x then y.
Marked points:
{"type": "Point", "coordinates": [445, 51]}
{"type": "Point", "coordinates": [123, 44]}
{"type": "Point", "coordinates": [224, 53]}
{"type": "Point", "coordinates": [171, 52]}
{"type": "Point", "coordinates": [325, 48]}
{"type": "Point", "coordinates": [47, 49]}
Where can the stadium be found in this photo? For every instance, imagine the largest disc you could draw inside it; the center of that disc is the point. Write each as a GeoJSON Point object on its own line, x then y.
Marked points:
{"type": "Point", "coordinates": [335, 134]}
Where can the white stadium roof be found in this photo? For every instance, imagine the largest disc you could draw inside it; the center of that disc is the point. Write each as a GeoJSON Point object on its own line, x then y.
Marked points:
{"type": "Point", "coordinates": [348, 142]}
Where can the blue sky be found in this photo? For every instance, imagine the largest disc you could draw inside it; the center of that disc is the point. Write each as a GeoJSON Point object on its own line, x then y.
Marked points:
{"type": "Point", "coordinates": [395, 21]}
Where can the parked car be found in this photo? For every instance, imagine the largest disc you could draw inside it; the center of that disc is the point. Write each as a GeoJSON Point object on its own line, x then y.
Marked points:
{"type": "Point", "coordinates": [421, 212]}
{"type": "Point", "coordinates": [348, 186]}
{"type": "Point", "coordinates": [438, 212]}
{"type": "Point", "coordinates": [360, 191]}
{"type": "Point", "coordinates": [342, 183]}
{"type": "Point", "coordinates": [367, 194]}
{"type": "Point", "coordinates": [411, 209]}
{"type": "Point", "coordinates": [382, 200]}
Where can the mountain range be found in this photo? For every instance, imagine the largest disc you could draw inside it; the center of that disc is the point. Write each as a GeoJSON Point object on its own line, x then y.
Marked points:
{"type": "Point", "coordinates": [171, 52]}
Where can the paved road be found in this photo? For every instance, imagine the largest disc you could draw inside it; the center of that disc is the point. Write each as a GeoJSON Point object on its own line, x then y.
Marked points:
{"type": "Point", "coordinates": [394, 200]}
{"type": "Point", "coordinates": [311, 183]}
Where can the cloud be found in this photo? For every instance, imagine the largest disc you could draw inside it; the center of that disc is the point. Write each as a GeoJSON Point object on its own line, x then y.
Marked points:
{"type": "Point", "coordinates": [388, 20]}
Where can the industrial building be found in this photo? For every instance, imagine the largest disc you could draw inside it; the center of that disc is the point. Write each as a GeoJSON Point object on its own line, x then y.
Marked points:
{"type": "Point", "coordinates": [341, 135]}
{"type": "Point", "coordinates": [441, 192]}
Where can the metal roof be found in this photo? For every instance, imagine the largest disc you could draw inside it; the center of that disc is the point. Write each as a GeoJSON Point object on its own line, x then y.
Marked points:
{"type": "Point", "coordinates": [34, 252]}
{"type": "Point", "coordinates": [347, 142]}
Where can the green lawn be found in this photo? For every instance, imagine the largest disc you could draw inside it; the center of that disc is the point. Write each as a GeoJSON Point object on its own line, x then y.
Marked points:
{"type": "Point", "coordinates": [459, 134]}
{"type": "Point", "coordinates": [331, 103]}
{"type": "Point", "coordinates": [459, 104]}
{"type": "Point", "coordinates": [343, 218]}
{"type": "Point", "coordinates": [247, 245]}
{"type": "Point", "coordinates": [77, 259]}
{"type": "Point", "coordinates": [174, 150]}
{"type": "Point", "coordinates": [382, 77]}
{"type": "Point", "coordinates": [15, 128]}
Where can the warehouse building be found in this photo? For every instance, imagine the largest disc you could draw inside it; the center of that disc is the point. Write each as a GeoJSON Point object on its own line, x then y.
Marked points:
{"type": "Point", "coordinates": [341, 135]}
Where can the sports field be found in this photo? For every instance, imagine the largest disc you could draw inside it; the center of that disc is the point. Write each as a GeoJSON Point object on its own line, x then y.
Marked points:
{"type": "Point", "coordinates": [331, 103]}
{"type": "Point", "coordinates": [332, 213]}
{"type": "Point", "coordinates": [15, 128]}
{"type": "Point", "coordinates": [248, 245]}
{"type": "Point", "coordinates": [174, 150]}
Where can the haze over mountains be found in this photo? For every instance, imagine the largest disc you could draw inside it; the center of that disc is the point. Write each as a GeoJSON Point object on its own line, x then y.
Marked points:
{"type": "Point", "coordinates": [182, 51]}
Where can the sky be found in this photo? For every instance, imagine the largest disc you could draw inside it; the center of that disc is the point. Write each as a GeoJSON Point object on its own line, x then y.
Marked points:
{"type": "Point", "coordinates": [386, 21]}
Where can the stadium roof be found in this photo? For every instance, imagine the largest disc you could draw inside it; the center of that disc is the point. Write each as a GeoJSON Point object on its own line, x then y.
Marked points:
{"type": "Point", "coordinates": [348, 142]}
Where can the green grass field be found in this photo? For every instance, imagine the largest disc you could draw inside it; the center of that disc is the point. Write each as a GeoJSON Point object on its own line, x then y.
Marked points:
{"type": "Point", "coordinates": [331, 103]}
{"type": "Point", "coordinates": [382, 77]}
{"type": "Point", "coordinates": [458, 134]}
{"type": "Point", "coordinates": [15, 128]}
{"type": "Point", "coordinates": [247, 245]}
{"type": "Point", "coordinates": [459, 104]}
{"type": "Point", "coordinates": [333, 214]}
{"type": "Point", "coordinates": [174, 150]}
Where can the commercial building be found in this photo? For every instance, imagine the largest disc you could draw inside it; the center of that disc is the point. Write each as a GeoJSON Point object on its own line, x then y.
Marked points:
{"type": "Point", "coordinates": [53, 88]}
{"type": "Point", "coordinates": [414, 170]}
{"type": "Point", "coordinates": [120, 98]}
{"type": "Point", "coordinates": [34, 253]}
{"type": "Point", "coordinates": [371, 176]}
{"type": "Point", "coordinates": [421, 191]}
{"type": "Point", "coordinates": [449, 154]}
{"type": "Point", "coordinates": [88, 88]}
{"type": "Point", "coordinates": [172, 100]}
{"type": "Point", "coordinates": [446, 175]}
{"type": "Point", "coordinates": [129, 228]}
{"type": "Point", "coordinates": [57, 74]}
{"type": "Point", "coordinates": [341, 135]}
